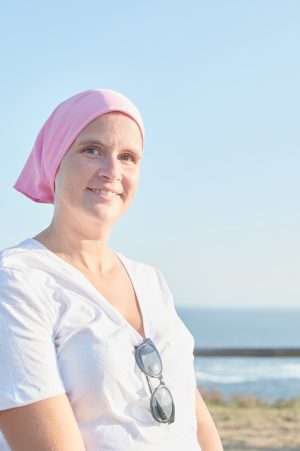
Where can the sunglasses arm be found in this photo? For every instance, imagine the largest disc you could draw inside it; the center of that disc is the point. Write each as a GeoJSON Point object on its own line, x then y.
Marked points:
{"type": "Point", "coordinates": [149, 384]}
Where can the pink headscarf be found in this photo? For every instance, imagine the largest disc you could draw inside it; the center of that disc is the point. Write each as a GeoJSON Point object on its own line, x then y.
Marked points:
{"type": "Point", "coordinates": [60, 131]}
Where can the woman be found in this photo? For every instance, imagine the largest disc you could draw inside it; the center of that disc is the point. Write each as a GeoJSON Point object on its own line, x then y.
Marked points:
{"type": "Point", "coordinates": [95, 356]}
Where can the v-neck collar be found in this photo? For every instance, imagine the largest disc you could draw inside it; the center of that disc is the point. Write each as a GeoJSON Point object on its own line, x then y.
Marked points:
{"type": "Point", "coordinates": [104, 301]}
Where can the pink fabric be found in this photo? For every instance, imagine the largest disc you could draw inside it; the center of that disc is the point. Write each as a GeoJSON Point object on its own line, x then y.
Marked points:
{"type": "Point", "coordinates": [59, 132]}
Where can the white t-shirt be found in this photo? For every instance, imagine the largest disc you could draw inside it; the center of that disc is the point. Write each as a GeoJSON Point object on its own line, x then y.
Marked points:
{"type": "Point", "coordinates": [58, 334]}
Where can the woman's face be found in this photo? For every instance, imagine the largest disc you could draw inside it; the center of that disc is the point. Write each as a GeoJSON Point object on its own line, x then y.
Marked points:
{"type": "Point", "coordinates": [99, 174]}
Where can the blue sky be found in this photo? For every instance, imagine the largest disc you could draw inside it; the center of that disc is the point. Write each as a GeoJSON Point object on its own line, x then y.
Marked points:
{"type": "Point", "coordinates": [218, 86]}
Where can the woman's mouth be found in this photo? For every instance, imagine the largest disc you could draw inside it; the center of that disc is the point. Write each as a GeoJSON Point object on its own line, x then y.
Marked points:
{"type": "Point", "coordinates": [106, 194]}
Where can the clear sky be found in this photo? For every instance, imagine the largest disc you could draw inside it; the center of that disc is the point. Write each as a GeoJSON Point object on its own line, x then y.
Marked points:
{"type": "Point", "coordinates": [217, 83]}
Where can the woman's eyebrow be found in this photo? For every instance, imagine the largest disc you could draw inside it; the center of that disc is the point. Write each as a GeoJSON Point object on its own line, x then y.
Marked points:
{"type": "Point", "coordinates": [90, 141]}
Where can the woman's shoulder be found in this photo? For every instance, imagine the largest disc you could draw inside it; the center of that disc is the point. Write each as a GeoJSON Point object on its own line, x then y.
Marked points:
{"type": "Point", "coordinates": [144, 271]}
{"type": "Point", "coordinates": [135, 264]}
{"type": "Point", "coordinates": [16, 256]}
{"type": "Point", "coordinates": [23, 280]}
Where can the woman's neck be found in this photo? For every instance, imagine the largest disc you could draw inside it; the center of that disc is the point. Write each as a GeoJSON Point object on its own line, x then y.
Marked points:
{"type": "Point", "coordinates": [86, 252]}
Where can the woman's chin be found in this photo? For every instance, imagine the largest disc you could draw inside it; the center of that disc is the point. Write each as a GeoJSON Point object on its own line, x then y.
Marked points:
{"type": "Point", "coordinates": [105, 216]}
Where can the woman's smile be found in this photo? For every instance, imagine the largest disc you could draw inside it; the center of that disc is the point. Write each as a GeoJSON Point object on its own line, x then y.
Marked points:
{"type": "Point", "coordinates": [106, 195]}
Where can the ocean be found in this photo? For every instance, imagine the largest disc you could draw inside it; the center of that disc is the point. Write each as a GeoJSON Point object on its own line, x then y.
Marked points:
{"type": "Point", "coordinates": [267, 378]}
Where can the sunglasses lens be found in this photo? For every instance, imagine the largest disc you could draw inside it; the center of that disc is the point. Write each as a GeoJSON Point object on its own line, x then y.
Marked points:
{"type": "Point", "coordinates": [149, 360]}
{"type": "Point", "coordinates": [162, 404]}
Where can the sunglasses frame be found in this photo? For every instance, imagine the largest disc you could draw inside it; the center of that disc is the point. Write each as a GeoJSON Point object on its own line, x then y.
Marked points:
{"type": "Point", "coordinates": [161, 385]}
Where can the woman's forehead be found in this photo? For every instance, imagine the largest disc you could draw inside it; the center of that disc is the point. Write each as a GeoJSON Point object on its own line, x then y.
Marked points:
{"type": "Point", "coordinates": [111, 127]}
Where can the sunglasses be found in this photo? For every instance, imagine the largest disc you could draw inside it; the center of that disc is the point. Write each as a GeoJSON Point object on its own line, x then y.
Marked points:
{"type": "Point", "coordinates": [149, 361]}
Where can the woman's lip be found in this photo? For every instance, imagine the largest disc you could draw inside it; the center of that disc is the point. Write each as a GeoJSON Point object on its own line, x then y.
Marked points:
{"type": "Point", "coordinates": [105, 195]}
{"type": "Point", "coordinates": [97, 190]}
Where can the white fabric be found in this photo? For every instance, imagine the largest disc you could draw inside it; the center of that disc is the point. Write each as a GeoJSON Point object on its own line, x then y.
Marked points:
{"type": "Point", "coordinates": [58, 334]}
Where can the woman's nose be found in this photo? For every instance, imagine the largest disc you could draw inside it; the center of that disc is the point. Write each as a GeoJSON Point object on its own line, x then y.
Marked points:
{"type": "Point", "coordinates": [110, 168]}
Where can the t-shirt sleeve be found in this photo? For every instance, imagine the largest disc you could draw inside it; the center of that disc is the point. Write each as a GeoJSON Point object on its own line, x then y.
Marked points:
{"type": "Point", "coordinates": [28, 365]}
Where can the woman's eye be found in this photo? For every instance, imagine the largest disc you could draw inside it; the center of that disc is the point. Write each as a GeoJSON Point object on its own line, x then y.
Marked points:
{"type": "Point", "coordinates": [92, 151]}
{"type": "Point", "coordinates": [127, 157]}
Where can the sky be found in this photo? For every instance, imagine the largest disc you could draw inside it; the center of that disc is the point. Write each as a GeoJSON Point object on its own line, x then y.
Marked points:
{"type": "Point", "coordinates": [217, 83]}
